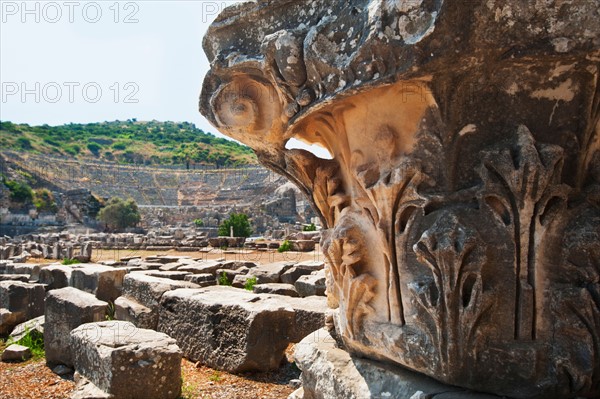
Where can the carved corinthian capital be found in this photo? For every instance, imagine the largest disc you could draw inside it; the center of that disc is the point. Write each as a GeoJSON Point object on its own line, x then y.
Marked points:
{"type": "Point", "coordinates": [462, 200]}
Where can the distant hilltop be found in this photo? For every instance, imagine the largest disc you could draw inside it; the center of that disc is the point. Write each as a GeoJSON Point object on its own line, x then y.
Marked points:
{"type": "Point", "coordinates": [128, 142]}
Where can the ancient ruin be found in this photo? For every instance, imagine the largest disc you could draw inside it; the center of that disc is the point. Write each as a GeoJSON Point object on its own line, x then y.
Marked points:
{"type": "Point", "coordinates": [463, 197]}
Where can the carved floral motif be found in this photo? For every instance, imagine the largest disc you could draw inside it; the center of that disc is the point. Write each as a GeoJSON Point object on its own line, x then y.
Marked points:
{"type": "Point", "coordinates": [461, 201]}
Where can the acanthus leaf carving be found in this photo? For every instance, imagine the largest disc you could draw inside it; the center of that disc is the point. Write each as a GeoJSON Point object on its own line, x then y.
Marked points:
{"type": "Point", "coordinates": [454, 296]}
{"type": "Point", "coordinates": [521, 187]}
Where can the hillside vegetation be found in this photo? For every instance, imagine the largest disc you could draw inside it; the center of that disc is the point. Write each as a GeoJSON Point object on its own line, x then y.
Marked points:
{"type": "Point", "coordinates": [129, 142]}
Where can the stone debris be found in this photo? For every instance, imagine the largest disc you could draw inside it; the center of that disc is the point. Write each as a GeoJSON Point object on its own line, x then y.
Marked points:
{"type": "Point", "coordinates": [16, 352]}
{"type": "Point", "coordinates": [141, 289]}
{"type": "Point", "coordinates": [248, 331]}
{"type": "Point", "coordinates": [66, 309]}
{"type": "Point", "coordinates": [311, 284]}
{"type": "Point", "coordinates": [276, 288]}
{"type": "Point", "coordinates": [35, 324]}
{"type": "Point", "coordinates": [103, 281]}
{"type": "Point", "coordinates": [126, 361]}
{"type": "Point", "coordinates": [271, 272]}
{"type": "Point", "coordinates": [19, 302]}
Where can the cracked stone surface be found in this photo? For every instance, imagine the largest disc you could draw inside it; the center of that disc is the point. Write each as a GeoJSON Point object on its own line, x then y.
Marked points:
{"type": "Point", "coordinates": [462, 200]}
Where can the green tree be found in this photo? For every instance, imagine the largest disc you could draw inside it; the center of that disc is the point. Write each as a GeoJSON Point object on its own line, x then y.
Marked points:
{"type": "Point", "coordinates": [19, 192]}
{"type": "Point", "coordinates": [240, 223]}
{"type": "Point", "coordinates": [44, 201]}
{"type": "Point", "coordinates": [198, 222]}
{"type": "Point", "coordinates": [119, 214]}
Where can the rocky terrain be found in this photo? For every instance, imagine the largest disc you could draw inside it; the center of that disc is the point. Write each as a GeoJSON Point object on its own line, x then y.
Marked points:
{"type": "Point", "coordinates": [81, 309]}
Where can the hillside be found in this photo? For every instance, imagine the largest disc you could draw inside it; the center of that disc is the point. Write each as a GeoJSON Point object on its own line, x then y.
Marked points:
{"type": "Point", "coordinates": [127, 142]}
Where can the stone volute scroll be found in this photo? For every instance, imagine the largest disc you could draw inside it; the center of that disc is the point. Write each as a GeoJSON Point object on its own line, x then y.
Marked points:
{"type": "Point", "coordinates": [462, 201]}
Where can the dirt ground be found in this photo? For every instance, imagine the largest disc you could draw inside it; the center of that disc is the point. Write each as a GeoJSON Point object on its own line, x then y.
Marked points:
{"type": "Point", "coordinates": [34, 380]}
{"type": "Point", "coordinates": [232, 254]}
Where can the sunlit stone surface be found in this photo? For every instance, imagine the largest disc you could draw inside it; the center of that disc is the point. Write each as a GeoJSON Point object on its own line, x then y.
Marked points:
{"type": "Point", "coordinates": [462, 200]}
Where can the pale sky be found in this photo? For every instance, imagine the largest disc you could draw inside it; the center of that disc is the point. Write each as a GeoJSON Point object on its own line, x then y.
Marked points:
{"type": "Point", "coordinates": [94, 61]}
{"type": "Point", "coordinates": [85, 61]}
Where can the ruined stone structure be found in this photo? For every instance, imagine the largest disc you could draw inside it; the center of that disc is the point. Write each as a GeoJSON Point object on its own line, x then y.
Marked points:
{"type": "Point", "coordinates": [463, 197]}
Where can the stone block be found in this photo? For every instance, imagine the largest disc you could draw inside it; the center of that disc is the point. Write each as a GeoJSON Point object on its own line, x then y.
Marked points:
{"type": "Point", "coordinates": [203, 280]}
{"type": "Point", "coordinates": [148, 290]}
{"type": "Point", "coordinates": [302, 245]}
{"type": "Point", "coordinates": [330, 372]}
{"type": "Point", "coordinates": [66, 309]}
{"type": "Point", "coordinates": [24, 298]}
{"type": "Point", "coordinates": [103, 281]}
{"type": "Point", "coordinates": [312, 284]}
{"type": "Point", "coordinates": [24, 278]}
{"type": "Point", "coordinates": [209, 266]}
{"type": "Point", "coordinates": [226, 328]}
{"type": "Point", "coordinates": [56, 276]}
{"type": "Point", "coordinates": [293, 274]}
{"type": "Point", "coordinates": [276, 288]}
{"type": "Point", "coordinates": [271, 272]}
{"type": "Point", "coordinates": [172, 275]}
{"type": "Point", "coordinates": [36, 324]}
{"type": "Point", "coordinates": [16, 352]}
{"type": "Point", "coordinates": [128, 309]}
{"type": "Point", "coordinates": [127, 362]}
{"type": "Point", "coordinates": [24, 268]}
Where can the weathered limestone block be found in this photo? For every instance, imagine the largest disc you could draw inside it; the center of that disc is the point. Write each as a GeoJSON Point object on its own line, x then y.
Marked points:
{"type": "Point", "coordinates": [8, 320]}
{"type": "Point", "coordinates": [209, 266]}
{"type": "Point", "coordinates": [128, 309]}
{"type": "Point", "coordinates": [310, 314]}
{"type": "Point", "coordinates": [227, 328]}
{"type": "Point", "coordinates": [24, 268]}
{"type": "Point", "coordinates": [203, 280]}
{"type": "Point", "coordinates": [293, 274]}
{"type": "Point", "coordinates": [127, 362]}
{"type": "Point", "coordinates": [147, 291]}
{"type": "Point", "coordinates": [16, 352]}
{"type": "Point", "coordinates": [24, 278]}
{"type": "Point", "coordinates": [276, 288]}
{"type": "Point", "coordinates": [66, 309]}
{"type": "Point", "coordinates": [311, 284]}
{"type": "Point", "coordinates": [302, 245]}
{"type": "Point", "coordinates": [55, 276]}
{"type": "Point", "coordinates": [460, 196]}
{"type": "Point", "coordinates": [21, 302]}
{"type": "Point", "coordinates": [271, 272]}
{"type": "Point", "coordinates": [172, 275]}
{"type": "Point", "coordinates": [330, 372]}
{"type": "Point", "coordinates": [103, 281]}
{"type": "Point", "coordinates": [35, 324]}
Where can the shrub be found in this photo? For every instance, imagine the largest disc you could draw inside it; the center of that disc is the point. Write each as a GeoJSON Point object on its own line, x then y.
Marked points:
{"type": "Point", "coordinates": [110, 311]}
{"type": "Point", "coordinates": [240, 223]}
{"type": "Point", "coordinates": [19, 192]}
{"type": "Point", "coordinates": [250, 283]}
{"type": "Point", "coordinates": [24, 143]}
{"type": "Point", "coordinates": [223, 280]}
{"type": "Point", "coordinates": [44, 201]}
{"type": "Point", "coordinates": [34, 340]}
{"type": "Point", "coordinates": [67, 261]}
{"type": "Point", "coordinates": [73, 149]}
{"type": "Point", "coordinates": [285, 246]}
{"type": "Point", "coordinates": [198, 222]}
{"type": "Point", "coordinates": [94, 148]}
{"type": "Point", "coordinates": [310, 227]}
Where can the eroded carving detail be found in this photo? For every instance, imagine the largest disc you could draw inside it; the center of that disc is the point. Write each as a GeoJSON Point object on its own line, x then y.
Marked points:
{"type": "Point", "coordinates": [462, 201]}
